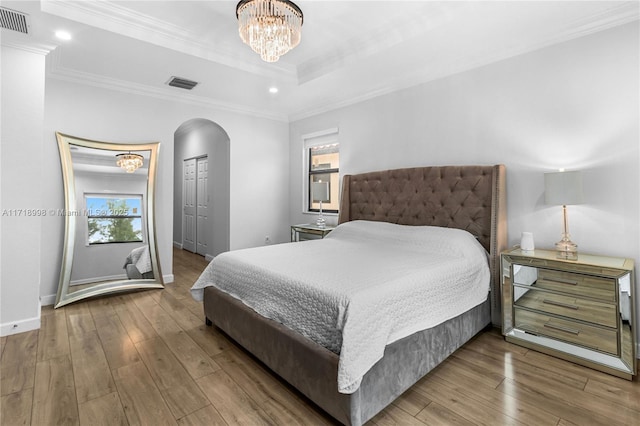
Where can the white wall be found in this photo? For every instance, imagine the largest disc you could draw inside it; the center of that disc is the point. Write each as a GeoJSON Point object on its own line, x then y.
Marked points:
{"type": "Point", "coordinates": [259, 169]}
{"type": "Point", "coordinates": [22, 114]}
{"type": "Point", "coordinates": [572, 105]}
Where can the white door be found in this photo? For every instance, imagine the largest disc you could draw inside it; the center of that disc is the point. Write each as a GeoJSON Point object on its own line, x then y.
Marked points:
{"type": "Point", "coordinates": [202, 205]}
{"type": "Point", "coordinates": [189, 205]}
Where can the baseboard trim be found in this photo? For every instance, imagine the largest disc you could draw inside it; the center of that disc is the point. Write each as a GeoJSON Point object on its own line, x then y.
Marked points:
{"type": "Point", "coordinates": [208, 257]}
{"type": "Point", "coordinates": [21, 326]}
{"type": "Point", "coordinates": [48, 300]}
{"type": "Point", "coordinates": [177, 245]}
{"type": "Point", "coordinates": [169, 278]}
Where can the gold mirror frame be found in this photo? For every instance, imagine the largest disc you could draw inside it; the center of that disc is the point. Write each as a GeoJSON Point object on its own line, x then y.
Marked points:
{"type": "Point", "coordinates": [64, 296]}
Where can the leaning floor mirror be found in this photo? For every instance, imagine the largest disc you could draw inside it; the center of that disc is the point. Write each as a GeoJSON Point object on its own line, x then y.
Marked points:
{"type": "Point", "coordinates": [110, 241]}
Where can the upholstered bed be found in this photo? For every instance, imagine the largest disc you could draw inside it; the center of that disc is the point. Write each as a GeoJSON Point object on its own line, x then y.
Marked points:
{"type": "Point", "coordinates": [138, 264]}
{"type": "Point", "coordinates": [471, 198]}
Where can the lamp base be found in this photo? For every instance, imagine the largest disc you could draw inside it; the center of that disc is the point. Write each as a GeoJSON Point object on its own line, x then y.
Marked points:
{"type": "Point", "coordinates": [320, 223]}
{"type": "Point", "coordinates": [567, 249]}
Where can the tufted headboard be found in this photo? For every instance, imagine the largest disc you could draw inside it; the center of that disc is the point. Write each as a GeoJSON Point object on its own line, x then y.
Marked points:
{"type": "Point", "coordinates": [472, 198]}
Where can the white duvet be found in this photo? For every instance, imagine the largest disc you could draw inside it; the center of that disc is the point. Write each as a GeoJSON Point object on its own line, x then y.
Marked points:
{"type": "Point", "coordinates": [365, 285]}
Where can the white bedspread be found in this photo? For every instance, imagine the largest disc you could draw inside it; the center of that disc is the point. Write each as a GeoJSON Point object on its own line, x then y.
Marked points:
{"type": "Point", "coordinates": [367, 284]}
{"type": "Point", "coordinates": [141, 258]}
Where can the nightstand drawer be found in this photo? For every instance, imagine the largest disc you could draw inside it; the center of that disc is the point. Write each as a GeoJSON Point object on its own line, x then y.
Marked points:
{"type": "Point", "coordinates": [569, 306]}
{"type": "Point", "coordinates": [570, 331]}
{"type": "Point", "coordinates": [581, 285]}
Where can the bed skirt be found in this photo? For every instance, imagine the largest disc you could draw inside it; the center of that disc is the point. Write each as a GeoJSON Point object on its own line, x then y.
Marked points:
{"type": "Point", "coordinates": [313, 370]}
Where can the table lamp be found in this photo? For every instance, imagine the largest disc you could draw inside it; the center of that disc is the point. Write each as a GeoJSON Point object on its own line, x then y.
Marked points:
{"type": "Point", "coordinates": [320, 193]}
{"type": "Point", "coordinates": [564, 188]}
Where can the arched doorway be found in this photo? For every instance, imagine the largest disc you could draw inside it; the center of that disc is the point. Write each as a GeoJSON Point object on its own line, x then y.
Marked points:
{"type": "Point", "coordinates": [201, 187]}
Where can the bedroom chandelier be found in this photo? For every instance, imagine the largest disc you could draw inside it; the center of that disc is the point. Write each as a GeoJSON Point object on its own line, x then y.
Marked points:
{"type": "Point", "coordinates": [270, 27]}
{"type": "Point", "coordinates": [129, 162]}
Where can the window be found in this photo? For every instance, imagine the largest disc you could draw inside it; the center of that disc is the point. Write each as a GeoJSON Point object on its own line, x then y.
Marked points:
{"type": "Point", "coordinates": [114, 218]}
{"type": "Point", "coordinates": [322, 165]}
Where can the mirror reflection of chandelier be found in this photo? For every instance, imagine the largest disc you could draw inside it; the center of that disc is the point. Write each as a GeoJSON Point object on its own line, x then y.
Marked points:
{"type": "Point", "coordinates": [270, 27]}
{"type": "Point", "coordinates": [129, 162]}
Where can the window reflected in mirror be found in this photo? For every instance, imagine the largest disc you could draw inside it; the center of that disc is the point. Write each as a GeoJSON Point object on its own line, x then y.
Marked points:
{"type": "Point", "coordinates": [113, 218]}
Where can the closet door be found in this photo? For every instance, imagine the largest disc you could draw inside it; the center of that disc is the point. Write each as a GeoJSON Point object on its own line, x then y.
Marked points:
{"type": "Point", "coordinates": [202, 205]}
{"type": "Point", "coordinates": [189, 205]}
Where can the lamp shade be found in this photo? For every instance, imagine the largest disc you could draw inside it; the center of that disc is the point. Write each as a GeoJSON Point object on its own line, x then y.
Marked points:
{"type": "Point", "coordinates": [320, 191]}
{"type": "Point", "coordinates": [563, 188]}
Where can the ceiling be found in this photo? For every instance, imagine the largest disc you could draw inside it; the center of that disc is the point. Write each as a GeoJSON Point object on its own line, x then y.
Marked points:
{"type": "Point", "coordinates": [103, 161]}
{"type": "Point", "coordinates": [350, 50]}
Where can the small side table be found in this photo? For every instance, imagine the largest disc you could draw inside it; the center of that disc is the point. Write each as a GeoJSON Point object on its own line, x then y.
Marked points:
{"type": "Point", "coordinates": [309, 231]}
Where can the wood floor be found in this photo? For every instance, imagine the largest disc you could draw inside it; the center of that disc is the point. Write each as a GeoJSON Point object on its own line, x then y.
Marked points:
{"type": "Point", "coordinates": [146, 358]}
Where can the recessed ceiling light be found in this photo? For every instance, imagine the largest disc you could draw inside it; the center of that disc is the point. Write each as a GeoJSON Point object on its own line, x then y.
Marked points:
{"type": "Point", "coordinates": [63, 35]}
{"type": "Point", "coordinates": [273, 90]}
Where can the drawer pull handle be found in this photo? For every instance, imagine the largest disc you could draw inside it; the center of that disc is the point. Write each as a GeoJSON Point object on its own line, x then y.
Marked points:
{"type": "Point", "coordinates": [562, 328]}
{"type": "Point", "coordinates": [561, 281]}
{"type": "Point", "coordinates": [563, 305]}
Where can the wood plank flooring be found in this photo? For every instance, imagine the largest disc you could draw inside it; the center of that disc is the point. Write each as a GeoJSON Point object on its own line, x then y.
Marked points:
{"type": "Point", "coordinates": [146, 358]}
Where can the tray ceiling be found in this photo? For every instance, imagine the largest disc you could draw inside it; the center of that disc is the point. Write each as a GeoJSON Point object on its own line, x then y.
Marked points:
{"type": "Point", "coordinates": [350, 50]}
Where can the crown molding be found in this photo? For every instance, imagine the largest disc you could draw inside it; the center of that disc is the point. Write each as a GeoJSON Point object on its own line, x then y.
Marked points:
{"type": "Point", "coordinates": [385, 38]}
{"type": "Point", "coordinates": [115, 15]}
{"type": "Point", "coordinates": [616, 16]}
{"type": "Point", "coordinates": [60, 73]}
{"type": "Point", "coordinates": [37, 48]}
{"type": "Point", "coordinates": [112, 17]}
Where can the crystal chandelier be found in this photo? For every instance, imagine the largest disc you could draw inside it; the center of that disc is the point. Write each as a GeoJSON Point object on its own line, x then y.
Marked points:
{"type": "Point", "coordinates": [129, 162]}
{"type": "Point", "coordinates": [270, 27]}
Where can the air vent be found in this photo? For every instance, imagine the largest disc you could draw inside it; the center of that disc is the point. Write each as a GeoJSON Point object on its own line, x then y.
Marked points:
{"type": "Point", "coordinates": [182, 83]}
{"type": "Point", "coordinates": [15, 21]}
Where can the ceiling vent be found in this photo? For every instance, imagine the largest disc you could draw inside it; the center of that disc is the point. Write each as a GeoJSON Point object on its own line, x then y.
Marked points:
{"type": "Point", "coordinates": [182, 83]}
{"type": "Point", "coordinates": [15, 21]}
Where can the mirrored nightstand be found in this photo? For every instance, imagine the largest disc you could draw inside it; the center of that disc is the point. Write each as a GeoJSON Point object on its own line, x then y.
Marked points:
{"type": "Point", "coordinates": [580, 310]}
{"type": "Point", "coordinates": [309, 231]}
